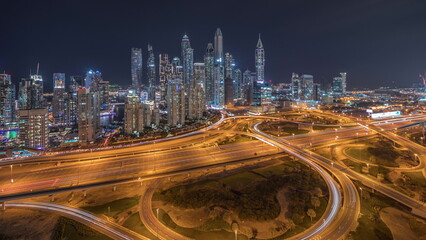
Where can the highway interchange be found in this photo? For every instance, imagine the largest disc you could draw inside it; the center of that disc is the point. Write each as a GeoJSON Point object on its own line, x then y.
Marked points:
{"type": "Point", "coordinates": [194, 151]}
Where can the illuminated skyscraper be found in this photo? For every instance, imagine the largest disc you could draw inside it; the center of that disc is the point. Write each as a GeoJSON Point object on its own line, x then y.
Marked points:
{"type": "Point", "coordinates": [219, 69]}
{"type": "Point", "coordinates": [32, 114]}
{"type": "Point", "coordinates": [33, 128]}
{"type": "Point", "coordinates": [249, 78]}
{"type": "Point", "coordinates": [209, 70]}
{"type": "Point", "coordinates": [133, 114]}
{"type": "Point", "coordinates": [303, 87]}
{"type": "Point", "coordinates": [7, 100]}
{"type": "Point", "coordinates": [339, 84]}
{"type": "Point", "coordinates": [92, 80]}
{"type": "Point", "coordinates": [136, 68]}
{"type": "Point", "coordinates": [295, 86]}
{"type": "Point", "coordinates": [151, 73]}
{"type": "Point", "coordinates": [218, 44]}
{"type": "Point", "coordinates": [31, 93]}
{"type": "Point", "coordinates": [177, 69]}
{"type": "Point", "coordinates": [165, 71]}
{"type": "Point", "coordinates": [199, 73]}
{"type": "Point", "coordinates": [196, 93]}
{"type": "Point", "coordinates": [187, 61]}
{"type": "Point", "coordinates": [88, 115]}
{"type": "Point", "coordinates": [175, 103]}
{"type": "Point", "coordinates": [229, 73]}
{"type": "Point", "coordinates": [229, 65]}
{"type": "Point", "coordinates": [229, 91]}
{"type": "Point", "coordinates": [76, 82]}
{"type": "Point", "coordinates": [260, 61]}
{"type": "Point", "coordinates": [238, 78]}
{"type": "Point", "coordinates": [59, 98]}
{"type": "Point", "coordinates": [104, 97]}
{"type": "Point", "coordinates": [89, 106]}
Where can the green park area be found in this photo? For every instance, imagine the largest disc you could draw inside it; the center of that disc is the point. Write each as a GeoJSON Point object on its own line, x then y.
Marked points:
{"type": "Point", "coordinates": [376, 151]}
{"type": "Point", "coordinates": [251, 196]}
{"type": "Point", "coordinates": [113, 208]}
{"type": "Point", "coordinates": [233, 139]}
{"type": "Point", "coordinates": [415, 182]}
{"type": "Point", "coordinates": [282, 128]}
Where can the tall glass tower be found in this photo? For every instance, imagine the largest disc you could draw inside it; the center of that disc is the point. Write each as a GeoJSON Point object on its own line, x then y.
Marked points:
{"type": "Point", "coordinates": [58, 104]}
{"type": "Point", "coordinates": [165, 72]}
{"type": "Point", "coordinates": [136, 65]}
{"type": "Point", "coordinates": [7, 100]}
{"type": "Point", "coordinates": [208, 70]}
{"type": "Point", "coordinates": [219, 69]}
{"type": "Point", "coordinates": [151, 73]}
{"type": "Point", "coordinates": [260, 61]}
{"type": "Point", "coordinates": [187, 62]}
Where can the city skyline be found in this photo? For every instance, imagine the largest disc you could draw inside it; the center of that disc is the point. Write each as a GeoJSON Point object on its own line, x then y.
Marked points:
{"type": "Point", "coordinates": [225, 120]}
{"type": "Point", "coordinates": [293, 44]}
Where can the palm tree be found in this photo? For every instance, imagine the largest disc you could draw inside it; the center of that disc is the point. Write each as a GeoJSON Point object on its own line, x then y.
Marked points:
{"type": "Point", "coordinates": [311, 213]}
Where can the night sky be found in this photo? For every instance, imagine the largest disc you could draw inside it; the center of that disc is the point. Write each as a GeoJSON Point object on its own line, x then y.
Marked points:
{"type": "Point", "coordinates": [377, 42]}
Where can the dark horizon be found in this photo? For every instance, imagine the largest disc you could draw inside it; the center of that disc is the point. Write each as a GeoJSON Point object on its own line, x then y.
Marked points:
{"type": "Point", "coordinates": [378, 43]}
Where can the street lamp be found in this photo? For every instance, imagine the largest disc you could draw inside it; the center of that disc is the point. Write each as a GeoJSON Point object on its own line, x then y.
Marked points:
{"type": "Point", "coordinates": [11, 173]}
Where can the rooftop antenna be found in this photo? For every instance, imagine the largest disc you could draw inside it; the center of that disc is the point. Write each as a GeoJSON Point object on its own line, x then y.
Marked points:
{"type": "Point", "coordinates": [38, 66]}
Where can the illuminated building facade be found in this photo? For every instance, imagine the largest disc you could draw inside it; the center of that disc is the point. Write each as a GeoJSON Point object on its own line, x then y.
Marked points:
{"type": "Point", "coordinates": [59, 98]}
{"type": "Point", "coordinates": [151, 75]}
{"type": "Point", "coordinates": [136, 68]}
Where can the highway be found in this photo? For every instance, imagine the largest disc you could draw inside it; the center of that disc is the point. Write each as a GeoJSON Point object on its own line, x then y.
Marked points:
{"type": "Point", "coordinates": [417, 207]}
{"type": "Point", "coordinates": [150, 220]}
{"type": "Point", "coordinates": [106, 227]}
{"type": "Point", "coordinates": [343, 216]}
{"type": "Point", "coordinates": [341, 221]}
{"type": "Point", "coordinates": [197, 151]}
{"type": "Point", "coordinates": [124, 167]}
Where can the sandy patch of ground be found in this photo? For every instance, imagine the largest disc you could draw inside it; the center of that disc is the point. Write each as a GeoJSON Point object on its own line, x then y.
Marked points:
{"type": "Point", "coordinates": [27, 224]}
{"type": "Point", "coordinates": [397, 222]}
{"type": "Point", "coordinates": [188, 218]}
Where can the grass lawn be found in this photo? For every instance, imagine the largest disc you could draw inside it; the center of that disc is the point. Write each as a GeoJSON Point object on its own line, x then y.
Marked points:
{"type": "Point", "coordinates": [354, 165]}
{"type": "Point", "coordinates": [325, 152]}
{"type": "Point", "coordinates": [276, 128]}
{"type": "Point", "coordinates": [417, 178]}
{"type": "Point", "coordinates": [239, 180]}
{"type": "Point", "coordinates": [135, 224]}
{"type": "Point", "coordinates": [275, 170]}
{"type": "Point", "coordinates": [363, 155]}
{"type": "Point", "coordinates": [116, 206]}
{"type": "Point", "coordinates": [319, 128]}
{"type": "Point", "coordinates": [294, 130]}
{"type": "Point", "coordinates": [69, 229]}
{"type": "Point", "coordinates": [235, 139]}
{"type": "Point", "coordinates": [359, 153]}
